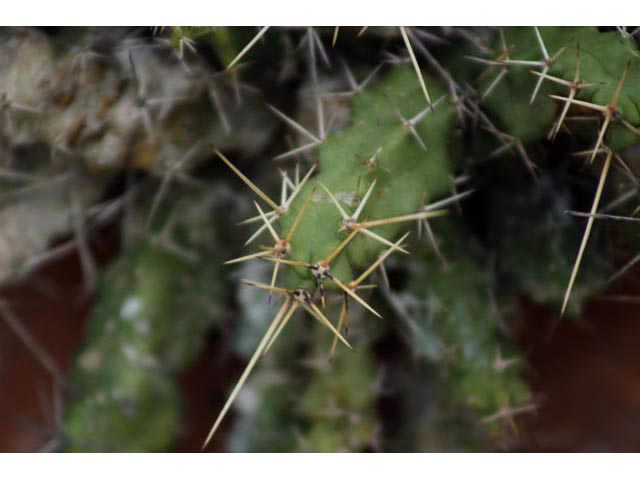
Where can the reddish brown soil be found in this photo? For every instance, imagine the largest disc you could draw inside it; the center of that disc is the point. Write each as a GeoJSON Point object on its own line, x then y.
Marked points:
{"type": "Point", "coordinates": [586, 375]}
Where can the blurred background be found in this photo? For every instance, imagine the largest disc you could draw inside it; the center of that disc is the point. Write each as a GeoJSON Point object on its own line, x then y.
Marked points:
{"type": "Point", "coordinates": [123, 330]}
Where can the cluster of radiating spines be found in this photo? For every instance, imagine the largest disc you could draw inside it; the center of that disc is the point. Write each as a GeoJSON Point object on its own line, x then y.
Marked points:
{"type": "Point", "coordinates": [282, 245]}
{"type": "Point", "coordinates": [289, 191]}
{"type": "Point", "coordinates": [609, 112]}
{"type": "Point", "coordinates": [505, 61]}
{"type": "Point", "coordinates": [293, 299]}
{"type": "Point", "coordinates": [320, 270]}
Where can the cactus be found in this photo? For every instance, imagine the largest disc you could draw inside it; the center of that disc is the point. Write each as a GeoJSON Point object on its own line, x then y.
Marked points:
{"type": "Point", "coordinates": [460, 332]}
{"type": "Point", "coordinates": [368, 147]}
{"type": "Point", "coordinates": [411, 166]}
{"type": "Point", "coordinates": [311, 231]}
{"type": "Point", "coordinates": [339, 404]}
{"type": "Point", "coordinates": [483, 396]}
{"type": "Point", "coordinates": [598, 59]}
{"type": "Point", "coordinates": [600, 72]}
{"type": "Point", "coordinates": [155, 307]}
